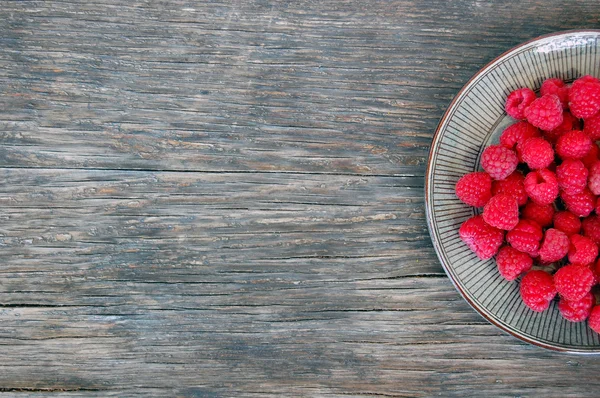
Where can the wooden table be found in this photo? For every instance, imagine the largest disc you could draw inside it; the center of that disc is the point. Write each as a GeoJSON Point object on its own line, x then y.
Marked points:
{"type": "Point", "coordinates": [225, 198]}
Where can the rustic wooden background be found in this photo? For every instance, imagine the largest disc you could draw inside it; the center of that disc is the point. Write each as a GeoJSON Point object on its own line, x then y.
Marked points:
{"type": "Point", "coordinates": [225, 198]}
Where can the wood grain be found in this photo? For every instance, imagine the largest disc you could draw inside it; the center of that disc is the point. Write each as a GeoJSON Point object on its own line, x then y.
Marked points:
{"type": "Point", "coordinates": [225, 198]}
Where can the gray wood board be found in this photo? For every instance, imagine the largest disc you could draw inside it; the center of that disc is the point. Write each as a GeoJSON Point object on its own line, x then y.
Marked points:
{"type": "Point", "coordinates": [226, 199]}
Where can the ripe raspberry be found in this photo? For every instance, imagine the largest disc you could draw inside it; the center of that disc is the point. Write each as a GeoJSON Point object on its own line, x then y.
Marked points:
{"type": "Point", "coordinates": [557, 87]}
{"type": "Point", "coordinates": [580, 204]}
{"type": "Point", "coordinates": [474, 189]}
{"type": "Point", "coordinates": [567, 222]}
{"type": "Point", "coordinates": [499, 161]}
{"type": "Point", "coordinates": [502, 212]}
{"type": "Point", "coordinates": [512, 186]}
{"type": "Point", "coordinates": [574, 144]}
{"type": "Point", "coordinates": [526, 237]}
{"type": "Point", "coordinates": [537, 153]}
{"type": "Point", "coordinates": [592, 127]}
{"type": "Point", "coordinates": [511, 262]}
{"type": "Point", "coordinates": [572, 176]}
{"type": "Point", "coordinates": [591, 228]}
{"type": "Point", "coordinates": [569, 123]}
{"type": "Point", "coordinates": [594, 178]}
{"type": "Point", "coordinates": [541, 214]}
{"type": "Point", "coordinates": [595, 268]}
{"type": "Point", "coordinates": [573, 281]}
{"type": "Point", "coordinates": [576, 311]}
{"type": "Point", "coordinates": [545, 112]}
{"type": "Point", "coordinates": [481, 238]}
{"type": "Point", "coordinates": [554, 246]}
{"type": "Point", "coordinates": [584, 97]}
{"type": "Point", "coordinates": [583, 250]}
{"type": "Point", "coordinates": [537, 290]}
{"type": "Point", "coordinates": [594, 319]}
{"type": "Point", "coordinates": [541, 186]}
{"type": "Point", "coordinates": [514, 135]}
{"type": "Point", "coordinates": [589, 159]}
{"type": "Point", "coordinates": [518, 101]}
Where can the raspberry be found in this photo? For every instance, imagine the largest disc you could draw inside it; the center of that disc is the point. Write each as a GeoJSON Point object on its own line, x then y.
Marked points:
{"type": "Point", "coordinates": [589, 159]}
{"type": "Point", "coordinates": [594, 178]}
{"type": "Point", "coordinates": [526, 237]}
{"type": "Point", "coordinates": [537, 153]}
{"type": "Point", "coordinates": [499, 161]}
{"type": "Point", "coordinates": [594, 319]}
{"type": "Point", "coordinates": [583, 250]}
{"type": "Point", "coordinates": [502, 212]}
{"type": "Point", "coordinates": [541, 186]}
{"type": "Point", "coordinates": [576, 311]}
{"type": "Point", "coordinates": [569, 123]}
{"type": "Point", "coordinates": [518, 101]}
{"type": "Point", "coordinates": [481, 238]}
{"type": "Point", "coordinates": [557, 87]}
{"type": "Point", "coordinates": [592, 127]}
{"type": "Point", "coordinates": [584, 97]}
{"type": "Point", "coordinates": [513, 186]}
{"type": "Point", "coordinates": [514, 135]}
{"type": "Point", "coordinates": [580, 204]}
{"type": "Point", "coordinates": [537, 290]}
{"type": "Point", "coordinates": [474, 188]}
{"type": "Point", "coordinates": [573, 144]}
{"type": "Point", "coordinates": [591, 228]}
{"type": "Point", "coordinates": [595, 268]}
{"type": "Point", "coordinates": [545, 112]}
{"type": "Point", "coordinates": [541, 214]}
{"type": "Point", "coordinates": [511, 262]}
{"type": "Point", "coordinates": [573, 281]}
{"type": "Point", "coordinates": [567, 222]}
{"type": "Point", "coordinates": [572, 176]}
{"type": "Point", "coordinates": [554, 246]}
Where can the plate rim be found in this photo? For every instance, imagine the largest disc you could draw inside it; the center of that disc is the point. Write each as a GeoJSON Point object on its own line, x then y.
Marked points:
{"type": "Point", "coordinates": [428, 205]}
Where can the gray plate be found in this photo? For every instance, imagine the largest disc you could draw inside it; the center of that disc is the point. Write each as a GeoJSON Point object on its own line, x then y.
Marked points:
{"type": "Point", "coordinates": [474, 119]}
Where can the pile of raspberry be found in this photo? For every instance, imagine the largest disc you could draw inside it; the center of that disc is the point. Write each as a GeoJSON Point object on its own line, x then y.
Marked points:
{"type": "Point", "coordinates": [540, 197]}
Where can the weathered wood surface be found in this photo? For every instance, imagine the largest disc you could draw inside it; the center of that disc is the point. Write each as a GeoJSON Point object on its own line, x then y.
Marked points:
{"type": "Point", "coordinates": [226, 199]}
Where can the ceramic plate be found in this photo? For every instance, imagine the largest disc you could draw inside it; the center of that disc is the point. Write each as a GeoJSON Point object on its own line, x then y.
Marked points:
{"type": "Point", "coordinates": [474, 120]}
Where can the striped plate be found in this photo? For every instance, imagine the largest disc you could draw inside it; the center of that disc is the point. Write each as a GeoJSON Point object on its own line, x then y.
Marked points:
{"type": "Point", "coordinates": [474, 120]}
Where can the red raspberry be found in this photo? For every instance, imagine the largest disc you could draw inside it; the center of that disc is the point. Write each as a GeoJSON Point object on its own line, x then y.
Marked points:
{"type": "Point", "coordinates": [481, 238]}
{"type": "Point", "coordinates": [576, 311]}
{"type": "Point", "coordinates": [502, 212]}
{"type": "Point", "coordinates": [592, 127]}
{"type": "Point", "coordinates": [537, 290]}
{"type": "Point", "coordinates": [574, 144]}
{"type": "Point", "coordinates": [595, 268]}
{"type": "Point", "coordinates": [594, 178]}
{"type": "Point", "coordinates": [513, 186]}
{"type": "Point", "coordinates": [511, 262]}
{"type": "Point", "coordinates": [572, 176]}
{"type": "Point", "coordinates": [594, 319]}
{"type": "Point", "coordinates": [526, 237]}
{"type": "Point", "coordinates": [584, 97]}
{"type": "Point", "coordinates": [567, 222]}
{"type": "Point", "coordinates": [569, 123]}
{"type": "Point", "coordinates": [474, 189]}
{"type": "Point", "coordinates": [545, 112]}
{"type": "Point", "coordinates": [537, 153]}
{"type": "Point", "coordinates": [554, 246]}
{"type": "Point", "coordinates": [583, 250]}
{"type": "Point", "coordinates": [499, 161]}
{"type": "Point", "coordinates": [514, 135]}
{"type": "Point", "coordinates": [557, 87]}
{"type": "Point", "coordinates": [591, 228]}
{"type": "Point", "coordinates": [518, 101]}
{"type": "Point", "coordinates": [573, 281]}
{"type": "Point", "coordinates": [589, 159]}
{"type": "Point", "coordinates": [541, 214]}
{"type": "Point", "coordinates": [580, 204]}
{"type": "Point", "coordinates": [541, 186]}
